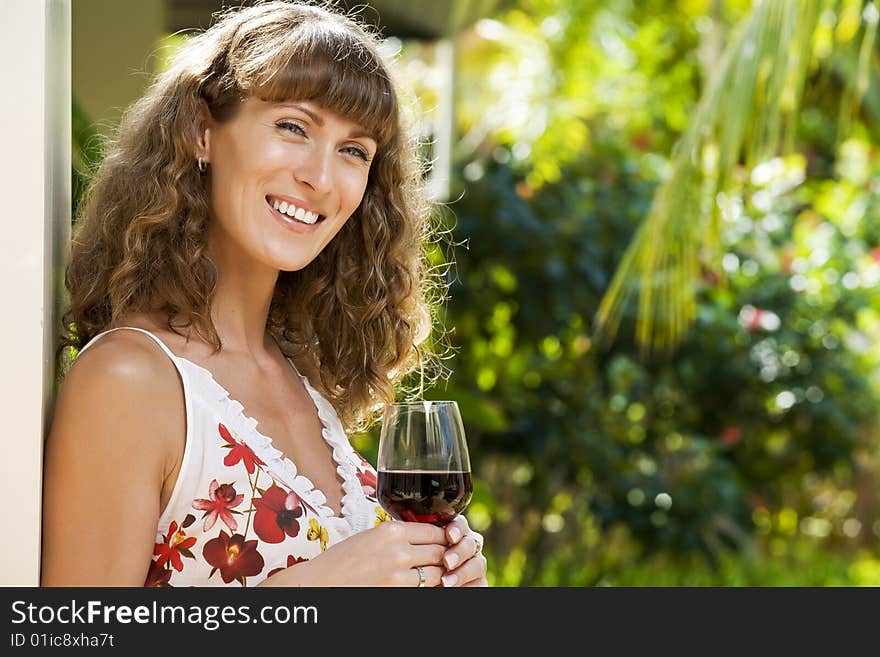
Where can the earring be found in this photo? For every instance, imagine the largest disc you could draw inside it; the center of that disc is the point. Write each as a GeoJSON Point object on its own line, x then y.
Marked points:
{"type": "Point", "coordinates": [203, 166]}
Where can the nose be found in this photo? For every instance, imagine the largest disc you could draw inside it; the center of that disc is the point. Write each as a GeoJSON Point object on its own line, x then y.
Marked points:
{"type": "Point", "coordinates": [316, 169]}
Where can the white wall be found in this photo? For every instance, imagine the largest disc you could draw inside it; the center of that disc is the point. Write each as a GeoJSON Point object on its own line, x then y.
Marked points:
{"type": "Point", "coordinates": [35, 188]}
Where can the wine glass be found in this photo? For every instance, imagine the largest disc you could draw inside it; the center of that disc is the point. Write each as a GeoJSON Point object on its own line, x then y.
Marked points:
{"type": "Point", "coordinates": [424, 471]}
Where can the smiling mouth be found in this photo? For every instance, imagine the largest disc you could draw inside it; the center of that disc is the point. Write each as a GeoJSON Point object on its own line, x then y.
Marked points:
{"type": "Point", "coordinates": [291, 211]}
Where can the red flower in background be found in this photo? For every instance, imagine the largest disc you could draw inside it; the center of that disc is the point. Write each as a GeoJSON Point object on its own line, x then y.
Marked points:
{"type": "Point", "coordinates": [755, 322]}
{"type": "Point", "coordinates": [222, 498]}
{"type": "Point", "coordinates": [238, 452]}
{"type": "Point", "coordinates": [524, 190]}
{"type": "Point", "coordinates": [176, 543]}
{"type": "Point", "coordinates": [875, 253]}
{"type": "Point", "coordinates": [235, 557]}
{"type": "Point", "coordinates": [731, 435]}
{"type": "Point", "coordinates": [157, 577]}
{"type": "Point", "coordinates": [643, 140]}
{"type": "Point", "coordinates": [757, 319]}
{"type": "Point", "coordinates": [291, 561]}
{"type": "Point", "coordinates": [277, 513]}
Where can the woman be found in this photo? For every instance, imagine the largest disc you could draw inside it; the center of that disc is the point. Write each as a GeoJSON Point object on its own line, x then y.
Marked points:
{"type": "Point", "coordinates": [247, 264]}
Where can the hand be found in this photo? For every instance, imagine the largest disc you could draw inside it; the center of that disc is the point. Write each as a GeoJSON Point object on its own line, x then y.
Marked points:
{"type": "Point", "coordinates": [465, 563]}
{"type": "Point", "coordinates": [386, 555]}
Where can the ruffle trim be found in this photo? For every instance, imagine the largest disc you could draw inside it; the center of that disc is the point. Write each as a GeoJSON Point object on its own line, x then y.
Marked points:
{"type": "Point", "coordinates": [356, 508]}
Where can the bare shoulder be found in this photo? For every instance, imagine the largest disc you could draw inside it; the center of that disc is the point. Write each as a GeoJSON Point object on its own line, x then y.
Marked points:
{"type": "Point", "coordinates": [116, 438]}
{"type": "Point", "coordinates": [124, 375]}
{"type": "Point", "coordinates": [125, 364]}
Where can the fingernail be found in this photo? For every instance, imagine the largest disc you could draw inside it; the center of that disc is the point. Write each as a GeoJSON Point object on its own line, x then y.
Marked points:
{"type": "Point", "coordinates": [455, 534]}
{"type": "Point", "coordinates": [449, 580]}
{"type": "Point", "coordinates": [451, 560]}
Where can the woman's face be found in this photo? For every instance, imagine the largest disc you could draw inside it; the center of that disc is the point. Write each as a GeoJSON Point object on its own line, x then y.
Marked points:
{"type": "Point", "coordinates": [284, 178]}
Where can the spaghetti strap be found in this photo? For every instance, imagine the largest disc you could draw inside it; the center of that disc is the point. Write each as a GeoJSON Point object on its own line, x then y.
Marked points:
{"type": "Point", "coordinates": [193, 447]}
{"type": "Point", "coordinates": [131, 328]}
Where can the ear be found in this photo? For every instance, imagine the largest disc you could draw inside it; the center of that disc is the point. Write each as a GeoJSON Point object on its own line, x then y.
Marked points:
{"type": "Point", "coordinates": [202, 128]}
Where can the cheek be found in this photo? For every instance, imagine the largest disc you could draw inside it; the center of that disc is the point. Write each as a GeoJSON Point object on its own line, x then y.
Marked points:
{"type": "Point", "coordinates": [241, 162]}
{"type": "Point", "coordinates": [240, 173]}
{"type": "Point", "coordinates": [353, 191]}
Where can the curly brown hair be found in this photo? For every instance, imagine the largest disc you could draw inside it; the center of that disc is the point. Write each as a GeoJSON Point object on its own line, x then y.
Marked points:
{"type": "Point", "coordinates": [361, 313]}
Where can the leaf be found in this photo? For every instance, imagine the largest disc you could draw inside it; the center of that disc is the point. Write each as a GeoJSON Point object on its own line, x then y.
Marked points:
{"type": "Point", "coordinates": [190, 519]}
{"type": "Point", "coordinates": [741, 117]}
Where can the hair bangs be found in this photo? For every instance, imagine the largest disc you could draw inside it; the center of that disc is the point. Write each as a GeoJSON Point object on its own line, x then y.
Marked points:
{"type": "Point", "coordinates": [322, 63]}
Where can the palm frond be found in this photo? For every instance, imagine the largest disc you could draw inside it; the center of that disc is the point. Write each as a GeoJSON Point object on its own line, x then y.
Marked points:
{"type": "Point", "coordinates": [745, 116]}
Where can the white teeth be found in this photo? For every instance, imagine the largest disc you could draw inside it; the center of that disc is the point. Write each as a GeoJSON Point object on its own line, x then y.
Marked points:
{"type": "Point", "coordinates": [294, 212]}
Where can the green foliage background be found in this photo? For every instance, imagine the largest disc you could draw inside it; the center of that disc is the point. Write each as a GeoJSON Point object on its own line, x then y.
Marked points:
{"type": "Point", "coordinates": [749, 455]}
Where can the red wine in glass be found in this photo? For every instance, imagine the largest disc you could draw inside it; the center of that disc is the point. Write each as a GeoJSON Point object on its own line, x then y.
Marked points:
{"type": "Point", "coordinates": [418, 496]}
{"type": "Point", "coordinates": [424, 471]}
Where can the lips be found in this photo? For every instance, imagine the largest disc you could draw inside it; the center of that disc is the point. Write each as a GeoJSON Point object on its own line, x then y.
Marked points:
{"type": "Point", "coordinates": [291, 223]}
{"type": "Point", "coordinates": [295, 209]}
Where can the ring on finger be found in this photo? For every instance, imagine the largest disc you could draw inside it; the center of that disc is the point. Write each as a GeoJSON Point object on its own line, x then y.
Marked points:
{"type": "Point", "coordinates": [421, 572]}
{"type": "Point", "coordinates": [479, 544]}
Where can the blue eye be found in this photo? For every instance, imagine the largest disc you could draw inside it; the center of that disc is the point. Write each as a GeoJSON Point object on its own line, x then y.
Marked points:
{"type": "Point", "coordinates": [358, 152]}
{"type": "Point", "coordinates": [290, 126]}
{"type": "Point", "coordinates": [296, 129]}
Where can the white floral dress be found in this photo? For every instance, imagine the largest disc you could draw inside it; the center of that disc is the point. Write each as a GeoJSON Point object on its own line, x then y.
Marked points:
{"type": "Point", "coordinates": [240, 511]}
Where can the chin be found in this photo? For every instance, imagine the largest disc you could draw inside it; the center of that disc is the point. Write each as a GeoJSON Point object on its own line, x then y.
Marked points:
{"type": "Point", "coordinates": [293, 268]}
{"type": "Point", "coordinates": [297, 264]}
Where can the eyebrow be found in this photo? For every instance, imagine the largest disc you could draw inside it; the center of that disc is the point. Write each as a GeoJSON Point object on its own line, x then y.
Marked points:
{"type": "Point", "coordinates": [355, 134]}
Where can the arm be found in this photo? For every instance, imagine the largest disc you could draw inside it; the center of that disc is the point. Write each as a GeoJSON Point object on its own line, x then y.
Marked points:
{"type": "Point", "coordinates": [106, 458]}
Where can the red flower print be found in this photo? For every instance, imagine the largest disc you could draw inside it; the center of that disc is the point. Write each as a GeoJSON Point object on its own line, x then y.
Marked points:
{"type": "Point", "coordinates": [157, 576]}
{"type": "Point", "coordinates": [367, 478]}
{"type": "Point", "coordinates": [235, 557]}
{"type": "Point", "coordinates": [277, 513]}
{"type": "Point", "coordinates": [291, 561]}
{"type": "Point", "coordinates": [222, 498]}
{"type": "Point", "coordinates": [238, 452]}
{"type": "Point", "coordinates": [176, 543]}
{"type": "Point", "coordinates": [368, 482]}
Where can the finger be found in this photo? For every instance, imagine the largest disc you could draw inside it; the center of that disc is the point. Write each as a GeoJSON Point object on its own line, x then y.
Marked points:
{"type": "Point", "coordinates": [470, 570]}
{"type": "Point", "coordinates": [456, 529]}
{"type": "Point", "coordinates": [423, 533]}
{"type": "Point", "coordinates": [465, 549]}
{"type": "Point", "coordinates": [432, 576]}
{"type": "Point", "coordinates": [477, 582]}
{"type": "Point", "coordinates": [426, 555]}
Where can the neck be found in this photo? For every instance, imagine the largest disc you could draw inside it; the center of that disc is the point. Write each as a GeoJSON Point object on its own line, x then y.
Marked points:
{"type": "Point", "coordinates": [241, 302]}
